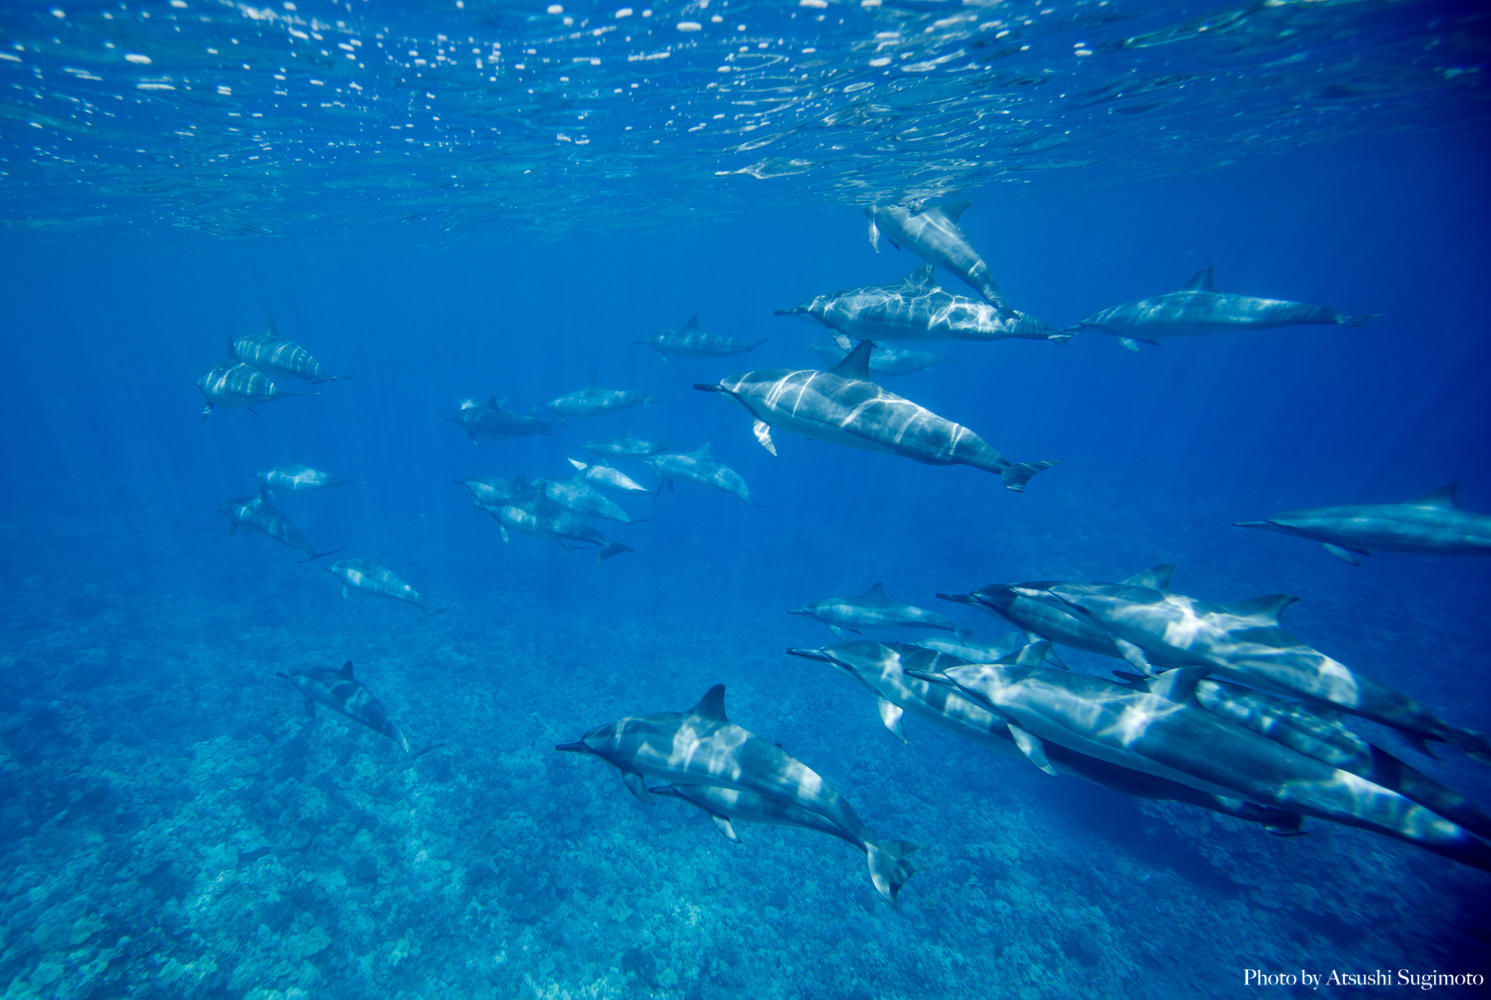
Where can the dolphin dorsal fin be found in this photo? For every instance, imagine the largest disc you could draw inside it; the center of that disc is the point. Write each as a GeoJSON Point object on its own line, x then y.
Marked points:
{"type": "Point", "coordinates": [492, 403]}
{"type": "Point", "coordinates": [263, 494]}
{"type": "Point", "coordinates": [232, 351]}
{"type": "Point", "coordinates": [1177, 684]}
{"type": "Point", "coordinates": [627, 436]}
{"type": "Point", "coordinates": [857, 364]}
{"type": "Point", "coordinates": [875, 593]}
{"type": "Point", "coordinates": [712, 705]}
{"type": "Point", "coordinates": [703, 450]}
{"type": "Point", "coordinates": [1267, 607]}
{"type": "Point", "coordinates": [346, 670]}
{"type": "Point", "coordinates": [952, 211]}
{"type": "Point", "coordinates": [1034, 654]}
{"type": "Point", "coordinates": [1155, 578]}
{"type": "Point", "coordinates": [921, 278]}
{"type": "Point", "coordinates": [693, 323]}
{"type": "Point", "coordinates": [1446, 497]}
{"type": "Point", "coordinates": [269, 328]}
{"type": "Point", "coordinates": [1202, 281]}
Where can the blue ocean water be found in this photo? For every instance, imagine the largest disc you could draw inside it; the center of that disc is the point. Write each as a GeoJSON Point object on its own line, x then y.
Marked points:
{"type": "Point", "coordinates": [173, 824]}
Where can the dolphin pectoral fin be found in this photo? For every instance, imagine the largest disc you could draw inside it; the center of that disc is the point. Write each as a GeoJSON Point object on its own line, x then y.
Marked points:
{"type": "Point", "coordinates": [1344, 554]}
{"type": "Point", "coordinates": [637, 785]}
{"type": "Point", "coordinates": [1135, 656]}
{"type": "Point", "coordinates": [505, 537]}
{"type": "Point", "coordinates": [206, 412]}
{"type": "Point", "coordinates": [874, 235]}
{"type": "Point", "coordinates": [344, 591]}
{"type": "Point", "coordinates": [310, 707]}
{"type": "Point", "coordinates": [1176, 684]}
{"type": "Point", "coordinates": [723, 824]}
{"type": "Point", "coordinates": [762, 430]}
{"type": "Point", "coordinates": [890, 714]}
{"type": "Point", "coordinates": [1033, 749]}
{"type": "Point", "coordinates": [1129, 342]}
{"type": "Point", "coordinates": [256, 412]}
{"type": "Point", "coordinates": [843, 635]}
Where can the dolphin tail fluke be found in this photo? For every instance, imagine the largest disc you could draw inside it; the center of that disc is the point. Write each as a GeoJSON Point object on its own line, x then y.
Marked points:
{"type": "Point", "coordinates": [890, 867]}
{"type": "Point", "coordinates": [341, 378]}
{"type": "Point", "coordinates": [1355, 322]}
{"type": "Point", "coordinates": [320, 555]}
{"type": "Point", "coordinates": [415, 755]}
{"type": "Point", "coordinates": [612, 549]}
{"type": "Point", "coordinates": [206, 412]}
{"type": "Point", "coordinates": [433, 614]}
{"type": "Point", "coordinates": [1016, 476]}
{"type": "Point", "coordinates": [1470, 743]}
{"type": "Point", "coordinates": [1060, 338]}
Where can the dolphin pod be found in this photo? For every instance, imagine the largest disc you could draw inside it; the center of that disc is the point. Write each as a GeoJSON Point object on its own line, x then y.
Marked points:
{"type": "Point", "coordinates": [703, 747]}
{"type": "Point", "coordinates": [274, 355]}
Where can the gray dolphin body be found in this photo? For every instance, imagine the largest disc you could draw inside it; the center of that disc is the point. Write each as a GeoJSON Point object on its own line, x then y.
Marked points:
{"type": "Point", "coordinates": [593, 401]}
{"type": "Point", "coordinates": [297, 477]}
{"type": "Point", "coordinates": [542, 518]}
{"type": "Point", "coordinates": [688, 341]}
{"type": "Point", "coordinates": [1161, 729]}
{"type": "Point", "coordinates": [370, 577]}
{"type": "Point", "coordinates": [274, 355]}
{"type": "Point", "coordinates": [703, 747]}
{"type": "Point", "coordinates": [493, 491]}
{"type": "Point", "coordinates": [1244, 641]}
{"type": "Point", "coordinates": [842, 405]}
{"type": "Point", "coordinates": [1432, 524]}
{"type": "Point", "coordinates": [889, 361]}
{"type": "Point", "coordinates": [872, 609]}
{"type": "Point", "coordinates": [578, 495]}
{"type": "Point", "coordinates": [1200, 309]}
{"type": "Point", "coordinates": [257, 514]}
{"type": "Point", "coordinates": [882, 669]}
{"type": "Point", "coordinates": [603, 477]}
{"type": "Point", "coordinates": [627, 446]}
{"type": "Point", "coordinates": [339, 691]}
{"type": "Point", "coordinates": [492, 421]}
{"type": "Point", "coordinates": [917, 309]}
{"type": "Point", "coordinates": [698, 466]}
{"type": "Point", "coordinates": [972, 649]}
{"type": "Point", "coordinates": [934, 236]}
{"type": "Point", "coordinates": [237, 385]}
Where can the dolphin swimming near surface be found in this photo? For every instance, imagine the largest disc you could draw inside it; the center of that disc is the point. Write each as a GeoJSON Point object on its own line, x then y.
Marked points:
{"type": "Point", "coordinates": [603, 477]}
{"type": "Point", "coordinates": [578, 495]}
{"type": "Point", "coordinates": [297, 477]}
{"type": "Point", "coordinates": [237, 385]}
{"type": "Point", "coordinates": [493, 491]}
{"type": "Point", "coordinates": [368, 576]}
{"type": "Point", "coordinates": [688, 341]}
{"type": "Point", "coordinates": [256, 514]}
{"type": "Point", "coordinates": [698, 466]}
{"type": "Point", "coordinates": [888, 361]}
{"type": "Point", "coordinates": [843, 406]}
{"type": "Point", "coordinates": [344, 694]}
{"type": "Point", "coordinates": [872, 609]}
{"type": "Point", "coordinates": [917, 309]}
{"type": "Point", "coordinates": [1162, 730]}
{"type": "Point", "coordinates": [1432, 524]}
{"type": "Point", "coordinates": [593, 401]}
{"type": "Point", "coordinates": [703, 747]}
{"type": "Point", "coordinates": [1199, 309]}
{"type": "Point", "coordinates": [274, 355]}
{"type": "Point", "coordinates": [492, 421]}
{"type": "Point", "coordinates": [882, 669]}
{"type": "Point", "coordinates": [627, 446]}
{"type": "Point", "coordinates": [934, 236]}
{"type": "Point", "coordinates": [540, 517]}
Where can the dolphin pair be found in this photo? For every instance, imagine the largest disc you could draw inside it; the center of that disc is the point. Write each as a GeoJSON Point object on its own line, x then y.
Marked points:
{"type": "Point", "coordinates": [297, 477]}
{"type": "Point", "coordinates": [580, 494]}
{"type": "Point", "coordinates": [256, 513]}
{"type": "Point", "coordinates": [872, 609]}
{"type": "Point", "coordinates": [492, 421]}
{"type": "Point", "coordinates": [274, 355]}
{"type": "Point", "coordinates": [842, 405]}
{"type": "Point", "coordinates": [706, 757]}
{"type": "Point", "coordinates": [688, 341]}
{"type": "Point", "coordinates": [1199, 308]}
{"type": "Point", "coordinates": [593, 401]}
{"type": "Point", "coordinates": [540, 517]}
{"type": "Point", "coordinates": [344, 694]}
{"type": "Point", "coordinates": [884, 360]}
{"type": "Point", "coordinates": [1432, 524]}
{"type": "Point", "coordinates": [372, 579]}
{"type": "Point", "coordinates": [236, 384]}
{"type": "Point", "coordinates": [698, 466]}
{"type": "Point", "coordinates": [603, 477]}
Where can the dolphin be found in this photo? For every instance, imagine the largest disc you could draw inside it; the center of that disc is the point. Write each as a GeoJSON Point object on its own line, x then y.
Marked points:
{"type": "Point", "coordinates": [1244, 641]}
{"type": "Point", "coordinates": [274, 355]}
{"type": "Point", "coordinates": [842, 405]}
{"type": "Point", "coordinates": [1199, 308]}
{"type": "Point", "coordinates": [492, 421]}
{"type": "Point", "coordinates": [237, 385]}
{"type": "Point", "coordinates": [887, 361]}
{"type": "Point", "coordinates": [256, 514]}
{"type": "Point", "coordinates": [882, 668]}
{"type": "Point", "coordinates": [344, 694]}
{"type": "Point", "coordinates": [703, 747]}
{"type": "Point", "coordinates": [872, 609]}
{"type": "Point", "coordinates": [698, 466]}
{"type": "Point", "coordinates": [603, 477]}
{"type": "Point", "coordinates": [593, 401]}
{"type": "Point", "coordinates": [688, 341]}
{"type": "Point", "coordinates": [934, 236]}
{"type": "Point", "coordinates": [578, 495]}
{"type": "Point", "coordinates": [492, 491]}
{"type": "Point", "coordinates": [542, 518]}
{"type": "Point", "coordinates": [917, 309]}
{"type": "Point", "coordinates": [974, 650]}
{"type": "Point", "coordinates": [1162, 730]}
{"type": "Point", "coordinates": [297, 477]}
{"type": "Point", "coordinates": [367, 576]}
{"type": "Point", "coordinates": [1432, 524]}
{"type": "Point", "coordinates": [626, 446]}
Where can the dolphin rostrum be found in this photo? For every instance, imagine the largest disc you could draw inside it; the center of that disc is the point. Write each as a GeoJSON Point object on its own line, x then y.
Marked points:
{"type": "Point", "coordinates": [344, 694]}
{"type": "Point", "coordinates": [542, 518]}
{"type": "Point", "coordinates": [237, 385]}
{"type": "Point", "coordinates": [257, 514]}
{"type": "Point", "coordinates": [1199, 308]}
{"type": "Point", "coordinates": [603, 477]}
{"type": "Point", "coordinates": [368, 576]}
{"type": "Point", "coordinates": [917, 309]}
{"type": "Point", "coordinates": [872, 609]}
{"type": "Point", "coordinates": [934, 236]}
{"type": "Point", "coordinates": [698, 466]}
{"type": "Point", "coordinates": [882, 668]}
{"type": "Point", "coordinates": [688, 341]}
{"type": "Point", "coordinates": [492, 491]}
{"type": "Point", "coordinates": [627, 446]}
{"type": "Point", "coordinates": [888, 361]}
{"type": "Point", "coordinates": [593, 401]}
{"type": "Point", "coordinates": [492, 421]}
{"type": "Point", "coordinates": [274, 355]}
{"type": "Point", "coordinates": [703, 747]}
{"type": "Point", "coordinates": [1162, 730]}
{"type": "Point", "coordinates": [297, 477]}
{"type": "Point", "coordinates": [842, 405]}
{"type": "Point", "coordinates": [1432, 524]}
